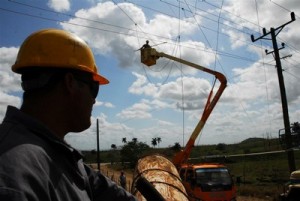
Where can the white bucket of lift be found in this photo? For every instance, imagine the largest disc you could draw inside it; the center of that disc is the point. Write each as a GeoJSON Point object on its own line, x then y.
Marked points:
{"type": "Point", "coordinates": [163, 175]}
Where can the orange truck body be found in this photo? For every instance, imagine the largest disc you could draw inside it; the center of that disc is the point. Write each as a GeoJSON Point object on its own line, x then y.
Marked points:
{"type": "Point", "coordinates": [208, 182]}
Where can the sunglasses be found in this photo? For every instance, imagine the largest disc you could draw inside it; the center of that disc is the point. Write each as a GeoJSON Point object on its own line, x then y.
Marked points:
{"type": "Point", "coordinates": [87, 79]}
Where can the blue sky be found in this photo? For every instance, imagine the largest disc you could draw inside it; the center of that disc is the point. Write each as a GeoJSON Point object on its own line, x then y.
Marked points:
{"type": "Point", "coordinates": [167, 99]}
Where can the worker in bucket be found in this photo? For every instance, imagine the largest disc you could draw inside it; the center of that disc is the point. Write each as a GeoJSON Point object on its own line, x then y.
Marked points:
{"type": "Point", "coordinates": [60, 82]}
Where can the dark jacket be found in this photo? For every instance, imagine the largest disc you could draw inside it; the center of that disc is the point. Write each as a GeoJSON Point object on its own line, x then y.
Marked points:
{"type": "Point", "coordinates": [37, 166]}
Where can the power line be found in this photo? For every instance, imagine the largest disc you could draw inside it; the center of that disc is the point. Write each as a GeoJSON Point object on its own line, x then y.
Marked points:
{"type": "Point", "coordinates": [126, 28]}
{"type": "Point", "coordinates": [61, 21]}
{"type": "Point", "coordinates": [218, 31]}
{"type": "Point", "coordinates": [196, 47]}
{"type": "Point", "coordinates": [226, 54]}
{"type": "Point", "coordinates": [277, 4]}
{"type": "Point", "coordinates": [206, 39]}
{"type": "Point", "coordinates": [292, 74]}
{"type": "Point", "coordinates": [207, 28]}
{"type": "Point", "coordinates": [124, 12]}
{"type": "Point", "coordinates": [243, 27]}
{"type": "Point", "coordinates": [68, 15]}
{"type": "Point", "coordinates": [116, 32]}
{"type": "Point", "coordinates": [264, 67]}
{"type": "Point", "coordinates": [216, 52]}
{"type": "Point", "coordinates": [239, 155]}
{"type": "Point", "coordinates": [202, 26]}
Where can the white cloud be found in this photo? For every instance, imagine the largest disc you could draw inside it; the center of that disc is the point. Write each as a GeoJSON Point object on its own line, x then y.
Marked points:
{"type": "Point", "coordinates": [105, 104]}
{"type": "Point", "coordinates": [137, 111]}
{"type": "Point", "coordinates": [157, 26]}
{"type": "Point", "coordinates": [9, 81]}
{"type": "Point", "coordinates": [59, 5]}
{"type": "Point", "coordinates": [142, 86]}
{"type": "Point", "coordinates": [169, 94]}
{"type": "Point", "coordinates": [109, 133]}
{"type": "Point", "coordinates": [237, 39]}
{"type": "Point", "coordinates": [121, 29]}
{"type": "Point", "coordinates": [107, 18]}
{"type": "Point", "coordinates": [6, 99]}
{"type": "Point", "coordinates": [247, 15]}
{"type": "Point", "coordinates": [165, 123]}
{"type": "Point", "coordinates": [193, 89]}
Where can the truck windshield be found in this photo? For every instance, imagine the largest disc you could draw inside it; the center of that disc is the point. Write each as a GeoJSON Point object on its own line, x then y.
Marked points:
{"type": "Point", "coordinates": [213, 176]}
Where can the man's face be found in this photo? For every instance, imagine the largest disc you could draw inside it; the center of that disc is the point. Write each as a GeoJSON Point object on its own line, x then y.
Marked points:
{"type": "Point", "coordinates": [84, 99]}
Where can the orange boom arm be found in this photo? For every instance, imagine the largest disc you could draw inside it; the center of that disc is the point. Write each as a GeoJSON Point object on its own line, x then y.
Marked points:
{"type": "Point", "coordinates": [148, 57]}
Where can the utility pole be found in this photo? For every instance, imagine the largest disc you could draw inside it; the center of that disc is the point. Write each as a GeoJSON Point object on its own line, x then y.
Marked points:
{"type": "Point", "coordinates": [274, 32]}
{"type": "Point", "coordinates": [98, 147]}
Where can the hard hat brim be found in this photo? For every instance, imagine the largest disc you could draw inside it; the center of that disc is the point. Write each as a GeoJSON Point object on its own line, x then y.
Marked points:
{"type": "Point", "coordinates": [102, 80]}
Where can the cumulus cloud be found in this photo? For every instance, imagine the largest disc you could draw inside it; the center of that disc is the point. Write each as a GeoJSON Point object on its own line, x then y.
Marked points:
{"type": "Point", "coordinates": [105, 104]}
{"type": "Point", "coordinates": [108, 133]}
{"type": "Point", "coordinates": [236, 39]}
{"type": "Point", "coordinates": [137, 111]}
{"type": "Point", "coordinates": [9, 81]}
{"type": "Point", "coordinates": [6, 99]}
{"type": "Point", "coordinates": [251, 16]}
{"type": "Point", "coordinates": [157, 26]}
{"type": "Point", "coordinates": [114, 29]}
{"type": "Point", "coordinates": [105, 19]}
{"type": "Point", "coordinates": [193, 88]}
{"type": "Point", "coordinates": [142, 86]}
{"type": "Point", "coordinates": [59, 5]}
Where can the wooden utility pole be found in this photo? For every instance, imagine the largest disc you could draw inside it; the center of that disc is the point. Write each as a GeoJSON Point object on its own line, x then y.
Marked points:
{"type": "Point", "coordinates": [288, 137]}
{"type": "Point", "coordinates": [98, 147]}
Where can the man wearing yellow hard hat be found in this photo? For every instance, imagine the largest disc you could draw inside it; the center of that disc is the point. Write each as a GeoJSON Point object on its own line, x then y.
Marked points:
{"type": "Point", "coordinates": [60, 82]}
{"type": "Point", "coordinates": [293, 188]}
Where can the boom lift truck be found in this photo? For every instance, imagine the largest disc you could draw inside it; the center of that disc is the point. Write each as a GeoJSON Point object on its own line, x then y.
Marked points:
{"type": "Point", "coordinates": [204, 182]}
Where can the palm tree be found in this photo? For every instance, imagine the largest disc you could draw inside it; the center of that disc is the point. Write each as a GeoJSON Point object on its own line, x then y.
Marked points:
{"type": "Point", "coordinates": [154, 142]}
{"type": "Point", "coordinates": [124, 140]}
{"type": "Point", "coordinates": [134, 140]}
{"type": "Point", "coordinates": [158, 139]}
{"type": "Point", "coordinates": [112, 154]}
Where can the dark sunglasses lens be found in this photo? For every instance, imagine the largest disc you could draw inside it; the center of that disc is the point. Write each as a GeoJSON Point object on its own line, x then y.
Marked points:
{"type": "Point", "coordinates": [93, 85]}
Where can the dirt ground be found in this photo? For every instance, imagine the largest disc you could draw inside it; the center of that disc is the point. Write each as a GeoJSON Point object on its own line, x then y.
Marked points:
{"type": "Point", "coordinates": [243, 198]}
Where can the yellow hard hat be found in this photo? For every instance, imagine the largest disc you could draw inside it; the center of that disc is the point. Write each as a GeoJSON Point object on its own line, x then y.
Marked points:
{"type": "Point", "coordinates": [295, 179]}
{"type": "Point", "coordinates": [54, 48]}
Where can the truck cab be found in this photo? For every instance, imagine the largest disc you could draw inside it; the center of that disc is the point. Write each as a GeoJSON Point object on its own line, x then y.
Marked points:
{"type": "Point", "coordinates": [208, 182]}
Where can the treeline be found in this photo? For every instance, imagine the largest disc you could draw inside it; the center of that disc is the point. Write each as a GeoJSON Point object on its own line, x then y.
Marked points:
{"type": "Point", "coordinates": [136, 149]}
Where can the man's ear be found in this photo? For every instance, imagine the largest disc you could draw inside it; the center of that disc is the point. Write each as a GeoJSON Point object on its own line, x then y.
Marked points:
{"type": "Point", "coordinates": [70, 83]}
